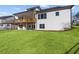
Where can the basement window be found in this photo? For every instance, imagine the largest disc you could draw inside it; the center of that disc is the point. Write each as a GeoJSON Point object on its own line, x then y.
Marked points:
{"type": "Point", "coordinates": [42, 26]}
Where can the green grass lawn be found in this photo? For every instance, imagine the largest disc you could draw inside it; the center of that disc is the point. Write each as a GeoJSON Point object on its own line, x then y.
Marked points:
{"type": "Point", "coordinates": [38, 42]}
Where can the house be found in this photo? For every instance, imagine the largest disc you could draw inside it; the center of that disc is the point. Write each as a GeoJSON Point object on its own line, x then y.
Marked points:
{"type": "Point", "coordinates": [6, 22]}
{"type": "Point", "coordinates": [35, 18]}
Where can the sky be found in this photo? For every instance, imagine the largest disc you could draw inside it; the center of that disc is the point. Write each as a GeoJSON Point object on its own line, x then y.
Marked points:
{"type": "Point", "coordinates": [11, 9]}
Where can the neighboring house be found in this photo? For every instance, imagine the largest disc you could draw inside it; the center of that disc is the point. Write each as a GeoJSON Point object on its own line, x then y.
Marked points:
{"type": "Point", "coordinates": [76, 19]}
{"type": "Point", "coordinates": [6, 22]}
{"type": "Point", "coordinates": [57, 18]}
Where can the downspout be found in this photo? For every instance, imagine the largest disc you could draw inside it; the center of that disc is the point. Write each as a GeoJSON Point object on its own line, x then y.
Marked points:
{"type": "Point", "coordinates": [71, 16]}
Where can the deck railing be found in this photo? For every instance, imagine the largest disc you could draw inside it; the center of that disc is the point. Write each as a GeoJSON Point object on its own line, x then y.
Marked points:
{"type": "Point", "coordinates": [25, 20]}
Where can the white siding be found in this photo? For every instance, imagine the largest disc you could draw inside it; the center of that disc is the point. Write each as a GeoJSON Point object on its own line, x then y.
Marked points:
{"type": "Point", "coordinates": [5, 26]}
{"type": "Point", "coordinates": [0, 20]}
{"type": "Point", "coordinates": [4, 22]}
{"type": "Point", "coordinates": [8, 20]}
{"type": "Point", "coordinates": [55, 22]}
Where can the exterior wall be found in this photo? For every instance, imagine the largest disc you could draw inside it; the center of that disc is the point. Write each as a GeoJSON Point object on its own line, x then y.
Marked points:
{"type": "Point", "coordinates": [55, 22]}
{"type": "Point", "coordinates": [6, 21]}
{"type": "Point", "coordinates": [5, 26]}
{"type": "Point", "coordinates": [13, 27]}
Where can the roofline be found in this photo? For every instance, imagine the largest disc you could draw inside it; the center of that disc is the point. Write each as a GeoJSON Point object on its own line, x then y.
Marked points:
{"type": "Point", "coordinates": [56, 8]}
{"type": "Point", "coordinates": [64, 7]}
{"type": "Point", "coordinates": [20, 12]}
{"type": "Point", "coordinates": [3, 17]}
{"type": "Point", "coordinates": [52, 9]}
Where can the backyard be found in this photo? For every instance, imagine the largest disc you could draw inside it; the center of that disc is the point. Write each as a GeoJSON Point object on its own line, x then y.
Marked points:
{"type": "Point", "coordinates": [39, 42]}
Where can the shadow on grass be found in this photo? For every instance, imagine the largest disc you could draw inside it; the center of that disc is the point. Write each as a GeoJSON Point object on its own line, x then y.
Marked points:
{"type": "Point", "coordinates": [76, 47]}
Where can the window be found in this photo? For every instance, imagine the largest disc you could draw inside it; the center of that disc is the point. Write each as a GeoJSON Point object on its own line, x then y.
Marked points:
{"type": "Point", "coordinates": [33, 26]}
{"type": "Point", "coordinates": [57, 13]}
{"type": "Point", "coordinates": [21, 26]}
{"type": "Point", "coordinates": [45, 16]}
{"type": "Point", "coordinates": [39, 16]}
{"type": "Point", "coordinates": [21, 17]}
{"type": "Point", "coordinates": [1, 24]}
{"type": "Point", "coordinates": [42, 26]}
{"type": "Point", "coordinates": [42, 16]}
{"type": "Point", "coordinates": [7, 24]}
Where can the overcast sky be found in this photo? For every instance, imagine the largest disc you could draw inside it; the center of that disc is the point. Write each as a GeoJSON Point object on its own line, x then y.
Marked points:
{"type": "Point", "coordinates": [11, 9]}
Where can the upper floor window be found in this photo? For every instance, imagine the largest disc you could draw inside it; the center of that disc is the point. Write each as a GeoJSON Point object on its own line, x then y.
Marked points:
{"type": "Point", "coordinates": [57, 14]}
{"type": "Point", "coordinates": [42, 16]}
{"type": "Point", "coordinates": [39, 16]}
{"type": "Point", "coordinates": [20, 17]}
